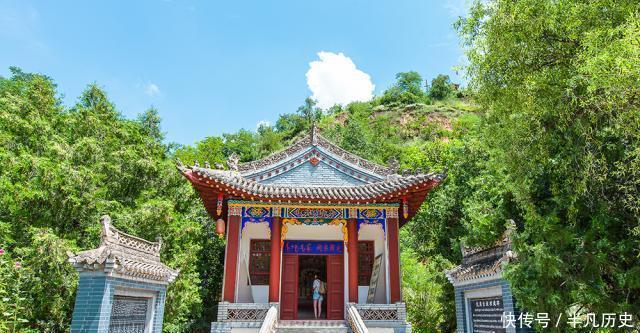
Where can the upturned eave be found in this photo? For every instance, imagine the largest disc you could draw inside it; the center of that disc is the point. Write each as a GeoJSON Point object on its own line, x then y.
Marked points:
{"type": "Point", "coordinates": [210, 183]}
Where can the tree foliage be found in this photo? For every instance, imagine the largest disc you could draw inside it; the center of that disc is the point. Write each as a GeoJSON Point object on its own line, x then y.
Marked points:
{"type": "Point", "coordinates": [560, 81]}
{"type": "Point", "coordinates": [441, 87]}
{"type": "Point", "coordinates": [407, 90]}
{"type": "Point", "coordinates": [65, 167]}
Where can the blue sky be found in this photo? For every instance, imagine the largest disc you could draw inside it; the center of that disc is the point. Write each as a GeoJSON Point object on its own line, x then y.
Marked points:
{"type": "Point", "coordinates": [214, 67]}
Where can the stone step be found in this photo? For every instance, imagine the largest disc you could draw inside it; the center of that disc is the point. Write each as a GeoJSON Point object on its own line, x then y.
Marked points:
{"type": "Point", "coordinates": [312, 326]}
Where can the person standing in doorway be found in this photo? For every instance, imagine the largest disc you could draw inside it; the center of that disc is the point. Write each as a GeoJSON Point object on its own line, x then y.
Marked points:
{"type": "Point", "coordinates": [318, 291]}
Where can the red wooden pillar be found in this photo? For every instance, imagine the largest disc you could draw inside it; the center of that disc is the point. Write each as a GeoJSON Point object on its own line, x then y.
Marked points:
{"type": "Point", "coordinates": [394, 260]}
{"type": "Point", "coordinates": [274, 264]}
{"type": "Point", "coordinates": [231, 259]}
{"type": "Point", "coordinates": [352, 246]}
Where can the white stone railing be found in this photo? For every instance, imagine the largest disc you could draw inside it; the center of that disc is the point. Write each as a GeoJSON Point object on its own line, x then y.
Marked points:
{"type": "Point", "coordinates": [382, 312]}
{"type": "Point", "coordinates": [354, 320]}
{"type": "Point", "coordinates": [270, 321]}
{"type": "Point", "coordinates": [242, 311]}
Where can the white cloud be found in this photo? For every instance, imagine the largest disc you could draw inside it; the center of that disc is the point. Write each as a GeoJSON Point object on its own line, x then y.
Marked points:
{"type": "Point", "coordinates": [152, 90]}
{"type": "Point", "coordinates": [334, 79]}
{"type": "Point", "coordinates": [263, 123]}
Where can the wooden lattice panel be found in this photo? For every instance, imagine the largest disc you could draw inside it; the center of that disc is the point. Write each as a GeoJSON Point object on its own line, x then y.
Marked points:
{"type": "Point", "coordinates": [378, 314]}
{"type": "Point", "coordinates": [246, 314]}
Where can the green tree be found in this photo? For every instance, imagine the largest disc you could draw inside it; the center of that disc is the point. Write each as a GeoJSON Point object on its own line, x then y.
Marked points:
{"type": "Point", "coordinates": [456, 208]}
{"type": "Point", "coordinates": [242, 143]}
{"type": "Point", "coordinates": [410, 82]}
{"type": "Point", "coordinates": [440, 87]}
{"type": "Point", "coordinates": [423, 288]}
{"type": "Point", "coordinates": [211, 149]}
{"type": "Point", "coordinates": [309, 112]}
{"type": "Point", "coordinates": [289, 125]}
{"type": "Point", "coordinates": [62, 169]}
{"type": "Point", "coordinates": [268, 140]}
{"type": "Point", "coordinates": [150, 121]}
{"type": "Point", "coordinates": [45, 269]}
{"type": "Point", "coordinates": [560, 81]}
{"type": "Point", "coordinates": [13, 303]}
{"type": "Point", "coordinates": [406, 90]}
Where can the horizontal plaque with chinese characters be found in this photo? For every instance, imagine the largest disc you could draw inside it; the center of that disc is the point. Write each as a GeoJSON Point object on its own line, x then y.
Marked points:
{"type": "Point", "coordinates": [486, 315]}
{"type": "Point", "coordinates": [312, 247]}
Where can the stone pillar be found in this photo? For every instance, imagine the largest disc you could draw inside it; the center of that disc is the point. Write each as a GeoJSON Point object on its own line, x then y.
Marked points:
{"type": "Point", "coordinates": [89, 309]}
{"type": "Point", "coordinates": [352, 230]}
{"type": "Point", "coordinates": [274, 265]}
{"type": "Point", "coordinates": [231, 259]}
{"type": "Point", "coordinates": [394, 260]}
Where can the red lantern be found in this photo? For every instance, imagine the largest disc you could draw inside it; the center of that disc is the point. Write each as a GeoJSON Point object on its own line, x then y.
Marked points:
{"type": "Point", "coordinates": [220, 227]}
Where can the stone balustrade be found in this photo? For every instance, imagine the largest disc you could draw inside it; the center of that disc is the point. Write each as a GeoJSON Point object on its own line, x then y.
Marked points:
{"type": "Point", "coordinates": [385, 315]}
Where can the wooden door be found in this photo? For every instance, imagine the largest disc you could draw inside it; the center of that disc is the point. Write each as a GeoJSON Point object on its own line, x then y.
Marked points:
{"type": "Point", "coordinates": [289, 287]}
{"type": "Point", "coordinates": [335, 287]}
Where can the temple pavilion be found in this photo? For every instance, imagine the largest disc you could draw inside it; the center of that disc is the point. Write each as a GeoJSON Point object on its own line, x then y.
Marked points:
{"type": "Point", "coordinates": [310, 209]}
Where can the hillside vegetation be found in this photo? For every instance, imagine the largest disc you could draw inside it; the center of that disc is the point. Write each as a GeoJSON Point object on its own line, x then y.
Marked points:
{"type": "Point", "coordinates": [65, 166]}
{"type": "Point", "coordinates": [547, 136]}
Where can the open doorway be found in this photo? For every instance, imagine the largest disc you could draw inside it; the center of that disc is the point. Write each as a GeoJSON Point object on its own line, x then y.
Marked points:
{"type": "Point", "coordinates": [309, 267]}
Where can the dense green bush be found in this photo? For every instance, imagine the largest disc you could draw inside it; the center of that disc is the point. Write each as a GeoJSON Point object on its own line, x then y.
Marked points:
{"type": "Point", "coordinates": [65, 167]}
{"type": "Point", "coordinates": [441, 87]}
{"type": "Point", "coordinates": [560, 81]}
{"type": "Point", "coordinates": [407, 90]}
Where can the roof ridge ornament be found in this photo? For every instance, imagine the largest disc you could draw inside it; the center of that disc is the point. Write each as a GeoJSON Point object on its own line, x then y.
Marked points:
{"type": "Point", "coordinates": [105, 220]}
{"type": "Point", "coordinates": [113, 236]}
{"type": "Point", "coordinates": [393, 164]}
{"type": "Point", "coordinates": [232, 162]}
{"type": "Point", "coordinates": [314, 134]}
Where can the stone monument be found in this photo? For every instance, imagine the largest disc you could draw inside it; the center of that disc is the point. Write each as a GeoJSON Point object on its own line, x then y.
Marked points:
{"type": "Point", "coordinates": [122, 284]}
{"type": "Point", "coordinates": [483, 297]}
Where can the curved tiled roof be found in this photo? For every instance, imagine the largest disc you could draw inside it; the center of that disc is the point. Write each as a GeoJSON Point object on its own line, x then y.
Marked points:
{"type": "Point", "coordinates": [246, 181]}
{"type": "Point", "coordinates": [482, 262]}
{"type": "Point", "coordinates": [466, 273]}
{"type": "Point", "coordinates": [126, 254]}
{"type": "Point", "coordinates": [390, 186]}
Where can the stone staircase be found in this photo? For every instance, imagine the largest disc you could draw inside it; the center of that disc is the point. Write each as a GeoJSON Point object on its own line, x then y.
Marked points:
{"type": "Point", "coordinates": [263, 317]}
{"type": "Point", "coordinates": [312, 326]}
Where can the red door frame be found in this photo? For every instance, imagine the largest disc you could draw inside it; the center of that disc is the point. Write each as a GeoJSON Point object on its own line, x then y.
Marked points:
{"type": "Point", "coordinates": [290, 280]}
